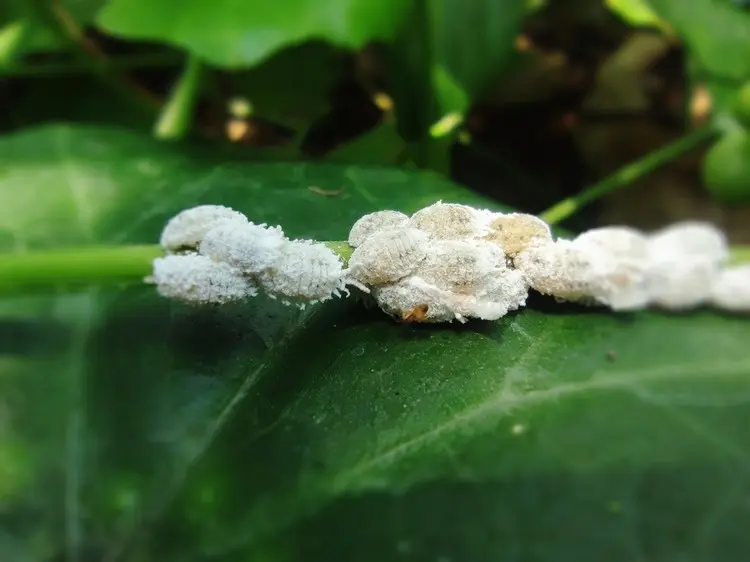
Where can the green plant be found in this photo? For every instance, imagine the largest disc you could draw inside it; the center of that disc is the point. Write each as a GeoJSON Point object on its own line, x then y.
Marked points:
{"type": "Point", "coordinates": [139, 429]}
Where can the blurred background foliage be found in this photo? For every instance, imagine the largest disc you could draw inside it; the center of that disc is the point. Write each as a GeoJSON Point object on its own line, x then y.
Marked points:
{"type": "Point", "coordinates": [525, 101]}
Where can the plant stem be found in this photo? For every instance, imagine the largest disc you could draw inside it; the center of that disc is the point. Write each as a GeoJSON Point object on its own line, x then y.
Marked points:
{"type": "Point", "coordinates": [177, 113]}
{"type": "Point", "coordinates": [69, 268]}
{"type": "Point", "coordinates": [627, 175]}
{"type": "Point", "coordinates": [46, 271]}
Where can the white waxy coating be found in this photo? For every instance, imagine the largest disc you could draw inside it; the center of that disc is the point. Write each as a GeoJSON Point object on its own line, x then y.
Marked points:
{"type": "Point", "coordinates": [689, 238]}
{"type": "Point", "coordinates": [558, 269]}
{"type": "Point", "coordinates": [682, 282]}
{"type": "Point", "coordinates": [622, 241]}
{"type": "Point", "coordinates": [186, 229]}
{"type": "Point", "coordinates": [505, 292]}
{"type": "Point", "coordinates": [450, 221]}
{"type": "Point", "coordinates": [619, 266]}
{"type": "Point", "coordinates": [400, 299]}
{"type": "Point", "coordinates": [461, 266]}
{"type": "Point", "coordinates": [515, 232]}
{"type": "Point", "coordinates": [388, 256]}
{"type": "Point", "coordinates": [305, 271]}
{"type": "Point", "coordinates": [586, 272]}
{"type": "Point", "coordinates": [731, 289]}
{"type": "Point", "coordinates": [373, 223]}
{"type": "Point", "coordinates": [198, 279]}
{"type": "Point", "coordinates": [250, 247]}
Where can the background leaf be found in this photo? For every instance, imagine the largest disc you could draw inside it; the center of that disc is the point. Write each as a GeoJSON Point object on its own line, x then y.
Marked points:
{"type": "Point", "coordinates": [637, 13]}
{"type": "Point", "coordinates": [714, 31]}
{"type": "Point", "coordinates": [148, 430]}
{"type": "Point", "coordinates": [242, 34]}
{"type": "Point", "coordinates": [38, 36]}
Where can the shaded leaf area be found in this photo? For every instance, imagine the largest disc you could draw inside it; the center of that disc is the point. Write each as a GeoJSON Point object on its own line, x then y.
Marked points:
{"type": "Point", "coordinates": [552, 433]}
{"type": "Point", "coordinates": [241, 35]}
{"type": "Point", "coordinates": [108, 397]}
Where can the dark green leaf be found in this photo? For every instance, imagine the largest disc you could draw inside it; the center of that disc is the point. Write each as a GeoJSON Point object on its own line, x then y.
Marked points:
{"type": "Point", "coordinates": [143, 430]}
{"type": "Point", "coordinates": [448, 53]}
{"type": "Point", "coordinates": [39, 37]}
{"type": "Point", "coordinates": [293, 87]}
{"type": "Point", "coordinates": [231, 34]}
{"type": "Point", "coordinates": [714, 31]}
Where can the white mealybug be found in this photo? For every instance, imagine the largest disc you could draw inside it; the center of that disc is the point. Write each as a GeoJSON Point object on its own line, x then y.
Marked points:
{"type": "Point", "coordinates": [198, 279]}
{"type": "Point", "coordinates": [507, 288]}
{"type": "Point", "coordinates": [684, 262]}
{"type": "Point", "coordinates": [450, 221]}
{"type": "Point", "coordinates": [682, 283]}
{"type": "Point", "coordinates": [731, 289]}
{"type": "Point", "coordinates": [461, 266]}
{"type": "Point", "coordinates": [305, 271]}
{"type": "Point", "coordinates": [458, 280]}
{"type": "Point", "coordinates": [373, 223]}
{"type": "Point", "coordinates": [618, 269]}
{"type": "Point", "coordinates": [406, 300]}
{"type": "Point", "coordinates": [558, 269]}
{"type": "Point", "coordinates": [250, 247]}
{"type": "Point", "coordinates": [689, 238]}
{"type": "Point", "coordinates": [387, 256]}
{"type": "Point", "coordinates": [186, 229]}
{"type": "Point", "coordinates": [515, 232]}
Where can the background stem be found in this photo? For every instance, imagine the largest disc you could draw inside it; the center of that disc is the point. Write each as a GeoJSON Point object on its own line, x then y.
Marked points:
{"type": "Point", "coordinates": [627, 175]}
{"type": "Point", "coordinates": [176, 116]}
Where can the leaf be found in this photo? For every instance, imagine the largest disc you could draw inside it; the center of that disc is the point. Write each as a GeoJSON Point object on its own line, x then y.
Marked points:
{"type": "Point", "coordinates": [381, 145]}
{"type": "Point", "coordinates": [715, 33]}
{"type": "Point", "coordinates": [492, 442]}
{"type": "Point", "coordinates": [39, 37]}
{"type": "Point", "coordinates": [109, 396]}
{"type": "Point", "coordinates": [293, 87]}
{"type": "Point", "coordinates": [636, 12]}
{"type": "Point", "coordinates": [447, 54]}
{"type": "Point", "coordinates": [155, 432]}
{"type": "Point", "coordinates": [232, 34]}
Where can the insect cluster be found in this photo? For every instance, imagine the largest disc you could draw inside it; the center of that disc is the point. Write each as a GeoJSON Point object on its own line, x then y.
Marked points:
{"type": "Point", "coordinates": [214, 254]}
{"type": "Point", "coordinates": [451, 262]}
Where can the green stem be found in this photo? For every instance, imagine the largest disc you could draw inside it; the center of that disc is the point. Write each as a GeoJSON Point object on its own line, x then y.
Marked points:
{"type": "Point", "coordinates": [627, 175]}
{"type": "Point", "coordinates": [46, 271]}
{"type": "Point", "coordinates": [70, 268]}
{"type": "Point", "coordinates": [177, 114]}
